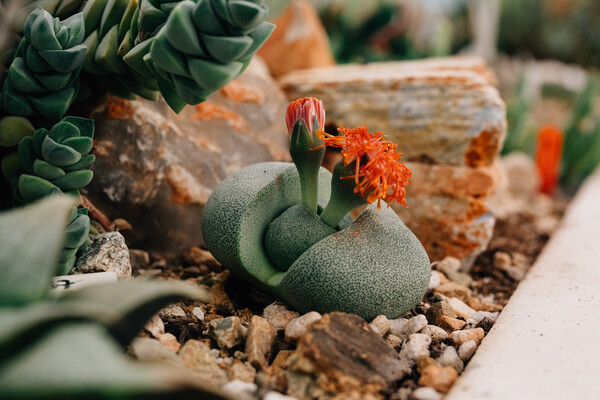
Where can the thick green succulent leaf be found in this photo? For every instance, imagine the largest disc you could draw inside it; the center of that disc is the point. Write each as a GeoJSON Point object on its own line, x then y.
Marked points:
{"type": "Point", "coordinates": [64, 268]}
{"type": "Point", "coordinates": [167, 57]}
{"type": "Point", "coordinates": [37, 140]}
{"type": "Point", "coordinates": [46, 170]}
{"type": "Point", "coordinates": [92, 14]}
{"type": "Point", "coordinates": [27, 153]}
{"type": "Point", "coordinates": [170, 95]}
{"type": "Point", "coordinates": [36, 63]}
{"type": "Point", "coordinates": [63, 131]}
{"type": "Point", "coordinates": [77, 232]}
{"type": "Point", "coordinates": [85, 125]}
{"type": "Point", "coordinates": [181, 32]}
{"type": "Point", "coordinates": [206, 20]}
{"type": "Point", "coordinates": [74, 180]}
{"type": "Point", "coordinates": [67, 60]}
{"type": "Point", "coordinates": [15, 103]}
{"type": "Point", "coordinates": [106, 54]}
{"type": "Point", "coordinates": [246, 15]}
{"type": "Point", "coordinates": [91, 42]}
{"type": "Point", "coordinates": [30, 239]}
{"type": "Point", "coordinates": [259, 37]}
{"type": "Point", "coordinates": [13, 129]}
{"type": "Point", "coordinates": [221, 9]}
{"type": "Point", "coordinates": [135, 58]}
{"type": "Point", "coordinates": [113, 12]}
{"type": "Point", "coordinates": [54, 105]}
{"type": "Point", "coordinates": [81, 144]}
{"type": "Point", "coordinates": [33, 188]}
{"type": "Point", "coordinates": [79, 360]}
{"type": "Point", "coordinates": [213, 76]}
{"type": "Point", "coordinates": [21, 78]}
{"type": "Point", "coordinates": [75, 28]}
{"type": "Point", "coordinates": [189, 90]}
{"type": "Point", "coordinates": [66, 8]}
{"type": "Point", "coordinates": [226, 49]}
{"type": "Point", "coordinates": [67, 256]}
{"type": "Point", "coordinates": [62, 35]}
{"type": "Point", "coordinates": [55, 82]}
{"type": "Point", "coordinates": [58, 154]}
{"type": "Point", "coordinates": [40, 31]}
{"type": "Point", "coordinates": [150, 16]}
{"type": "Point", "coordinates": [11, 165]}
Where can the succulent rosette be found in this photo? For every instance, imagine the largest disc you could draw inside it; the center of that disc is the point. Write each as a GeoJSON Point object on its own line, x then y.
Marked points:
{"type": "Point", "coordinates": [285, 228]}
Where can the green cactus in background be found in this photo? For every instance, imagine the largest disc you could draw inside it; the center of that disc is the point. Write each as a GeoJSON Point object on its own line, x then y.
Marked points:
{"type": "Point", "coordinates": [204, 45]}
{"type": "Point", "coordinates": [43, 77]}
{"type": "Point", "coordinates": [52, 163]}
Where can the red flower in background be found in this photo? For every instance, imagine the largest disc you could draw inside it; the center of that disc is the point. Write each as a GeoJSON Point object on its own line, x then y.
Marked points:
{"type": "Point", "coordinates": [548, 156]}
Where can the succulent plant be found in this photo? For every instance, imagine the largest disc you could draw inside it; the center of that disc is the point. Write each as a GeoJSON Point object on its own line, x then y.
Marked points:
{"type": "Point", "coordinates": [52, 163]}
{"type": "Point", "coordinates": [69, 344]}
{"type": "Point", "coordinates": [273, 225]}
{"type": "Point", "coordinates": [43, 77]}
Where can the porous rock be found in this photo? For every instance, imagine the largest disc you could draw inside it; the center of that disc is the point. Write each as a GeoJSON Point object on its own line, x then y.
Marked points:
{"type": "Point", "coordinates": [106, 253]}
{"type": "Point", "coordinates": [380, 325]}
{"type": "Point", "coordinates": [439, 378]}
{"type": "Point", "coordinates": [415, 348]}
{"type": "Point", "coordinates": [279, 315]}
{"type": "Point", "coordinates": [299, 326]}
{"type": "Point", "coordinates": [460, 337]}
{"type": "Point", "coordinates": [227, 332]}
{"type": "Point", "coordinates": [259, 342]}
{"type": "Point", "coordinates": [158, 169]}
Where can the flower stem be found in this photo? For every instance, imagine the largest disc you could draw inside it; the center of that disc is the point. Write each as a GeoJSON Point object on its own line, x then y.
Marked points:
{"type": "Point", "coordinates": [343, 198]}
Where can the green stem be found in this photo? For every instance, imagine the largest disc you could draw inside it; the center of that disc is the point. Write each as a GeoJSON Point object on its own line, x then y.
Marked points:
{"type": "Point", "coordinates": [343, 199]}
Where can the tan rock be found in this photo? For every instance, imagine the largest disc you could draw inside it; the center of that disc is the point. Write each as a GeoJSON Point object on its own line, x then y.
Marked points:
{"type": "Point", "coordinates": [259, 342]}
{"type": "Point", "coordinates": [460, 337]}
{"type": "Point", "coordinates": [227, 332]}
{"type": "Point", "coordinates": [394, 341]}
{"type": "Point", "coordinates": [170, 341]}
{"type": "Point", "coordinates": [437, 310]}
{"type": "Point", "coordinates": [478, 305]}
{"type": "Point", "coordinates": [452, 289]}
{"type": "Point", "coordinates": [424, 363]}
{"type": "Point", "coordinates": [299, 41]}
{"type": "Point", "coordinates": [461, 309]}
{"type": "Point", "coordinates": [380, 325]}
{"type": "Point", "coordinates": [299, 326]}
{"type": "Point", "coordinates": [279, 315]}
{"type": "Point", "coordinates": [196, 356]}
{"type": "Point", "coordinates": [197, 256]}
{"type": "Point", "coordinates": [450, 324]}
{"type": "Point", "coordinates": [438, 378]}
{"type": "Point", "coordinates": [242, 371]}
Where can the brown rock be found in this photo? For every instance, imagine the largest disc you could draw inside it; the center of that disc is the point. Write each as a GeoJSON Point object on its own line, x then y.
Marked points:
{"type": "Point", "coordinates": [158, 168]}
{"type": "Point", "coordinates": [242, 371]}
{"type": "Point", "coordinates": [279, 315]}
{"type": "Point", "coordinates": [196, 356]}
{"type": "Point", "coordinates": [299, 41]}
{"type": "Point", "coordinates": [424, 363]}
{"type": "Point", "coordinates": [170, 341]}
{"type": "Point", "coordinates": [340, 353]}
{"type": "Point", "coordinates": [478, 305]}
{"type": "Point", "coordinates": [220, 300]}
{"type": "Point", "coordinates": [438, 378]}
{"type": "Point", "coordinates": [394, 341]}
{"type": "Point", "coordinates": [259, 342]}
{"type": "Point", "coordinates": [227, 332]}
{"type": "Point", "coordinates": [460, 337]}
{"type": "Point", "coordinates": [276, 373]}
{"type": "Point", "coordinates": [452, 289]}
{"type": "Point", "coordinates": [437, 310]}
{"type": "Point", "coordinates": [197, 256]}
{"type": "Point", "coordinates": [450, 324]}
{"type": "Point", "coordinates": [139, 258]}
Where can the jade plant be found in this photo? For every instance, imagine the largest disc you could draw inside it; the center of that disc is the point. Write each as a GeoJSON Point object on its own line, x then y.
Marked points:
{"type": "Point", "coordinates": [286, 228]}
{"type": "Point", "coordinates": [70, 344]}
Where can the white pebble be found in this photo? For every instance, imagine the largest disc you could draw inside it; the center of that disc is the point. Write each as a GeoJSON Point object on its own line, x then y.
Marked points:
{"type": "Point", "coordinates": [197, 311]}
{"type": "Point", "coordinates": [426, 393]}
{"type": "Point", "coordinates": [415, 324]}
{"type": "Point", "coordinates": [380, 325]}
{"type": "Point", "coordinates": [471, 323]}
{"type": "Point", "coordinates": [467, 349]}
{"type": "Point", "coordinates": [399, 327]}
{"type": "Point", "coordinates": [435, 333]}
{"type": "Point", "coordinates": [415, 348]}
{"type": "Point", "coordinates": [435, 280]}
{"type": "Point", "coordinates": [277, 396]}
{"type": "Point", "coordinates": [480, 315]}
{"type": "Point", "coordinates": [299, 326]}
{"type": "Point", "coordinates": [239, 389]}
{"type": "Point", "coordinates": [448, 264]}
{"type": "Point", "coordinates": [461, 309]}
{"type": "Point", "coordinates": [450, 358]}
{"type": "Point", "coordinates": [214, 353]}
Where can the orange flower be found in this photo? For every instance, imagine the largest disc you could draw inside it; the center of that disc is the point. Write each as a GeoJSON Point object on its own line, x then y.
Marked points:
{"type": "Point", "coordinates": [306, 109]}
{"type": "Point", "coordinates": [548, 155]}
{"type": "Point", "coordinates": [378, 172]}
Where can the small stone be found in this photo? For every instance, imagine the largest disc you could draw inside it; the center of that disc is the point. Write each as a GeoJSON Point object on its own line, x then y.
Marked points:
{"type": "Point", "coordinates": [435, 333]}
{"type": "Point", "coordinates": [170, 341]}
{"type": "Point", "coordinates": [106, 253]}
{"type": "Point", "coordinates": [220, 300]}
{"type": "Point", "coordinates": [139, 258]}
{"type": "Point", "coordinates": [415, 348]}
{"type": "Point", "coordinates": [515, 273]}
{"type": "Point", "coordinates": [470, 323]}
{"type": "Point", "coordinates": [453, 289]}
{"type": "Point", "coordinates": [450, 358]}
{"type": "Point", "coordinates": [426, 393]}
{"type": "Point", "coordinates": [424, 363]}
{"type": "Point", "coordinates": [486, 324]}
{"type": "Point", "coordinates": [190, 272]}
{"type": "Point", "coordinates": [278, 315]}
{"type": "Point", "coordinates": [461, 278]}
{"type": "Point", "coordinates": [439, 378]}
{"type": "Point", "coordinates": [480, 315]}
{"type": "Point", "coordinates": [394, 341]}
{"type": "Point", "coordinates": [478, 305]}
{"type": "Point", "coordinates": [434, 280]}
{"type": "Point", "coordinates": [399, 327]}
{"type": "Point", "coordinates": [197, 256]}
{"type": "Point", "coordinates": [240, 390]}
{"type": "Point", "coordinates": [416, 323]}
{"type": "Point", "coordinates": [259, 341]}
{"type": "Point", "coordinates": [466, 350]}
{"type": "Point", "coordinates": [148, 349]}
{"type": "Point", "coordinates": [277, 396]}
{"type": "Point", "coordinates": [461, 309]}
{"type": "Point", "coordinates": [227, 332]}
{"type": "Point", "coordinates": [172, 312]}
{"type": "Point", "coordinates": [197, 311]}
{"type": "Point", "coordinates": [195, 355]}
{"type": "Point", "coordinates": [437, 310]}
{"type": "Point", "coordinates": [380, 325]}
{"type": "Point", "coordinates": [155, 326]}
{"type": "Point", "coordinates": [461, 337]}
{"type": "Point", "coordinates": [299, 326]}
{"type": "Point", "coordinates": [242, 371]}
{"type": "Point", "coordinates": [448, 264]}
{"type": "Point", "coordinates": [450, 324]}
{"type": "Point", "coordinates": [502, 260]}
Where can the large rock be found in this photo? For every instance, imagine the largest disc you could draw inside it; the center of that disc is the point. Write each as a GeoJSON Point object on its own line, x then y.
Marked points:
{"type": "Point", "coordinates": [157, 169]}
{"type": "Point", "coordinates": [299, 41]}
{"type": "Point", "coordinates": [449, 122]}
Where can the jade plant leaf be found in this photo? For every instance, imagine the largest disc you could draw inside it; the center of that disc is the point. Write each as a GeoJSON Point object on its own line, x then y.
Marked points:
{"type": "Point", "coordinates": [26, 270]}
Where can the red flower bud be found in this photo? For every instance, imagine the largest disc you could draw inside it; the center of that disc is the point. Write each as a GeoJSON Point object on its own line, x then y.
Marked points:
{"type": "Point", "coordinates": [306, 109]}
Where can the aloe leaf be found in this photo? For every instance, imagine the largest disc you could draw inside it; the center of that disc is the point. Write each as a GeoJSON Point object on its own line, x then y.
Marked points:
{"type": "Point", "coordinates": [74, 180]}
{"type": "Point", "coordinates": [113, 12]}
{"type": "Point", "coordinates": [46, 170]}
{"type": "Point", "coordinates": [58, 154]}
{"type": "Point", "coordinates": [78, 360]}
{"type": "Point", "coordinates": [26, 269]}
